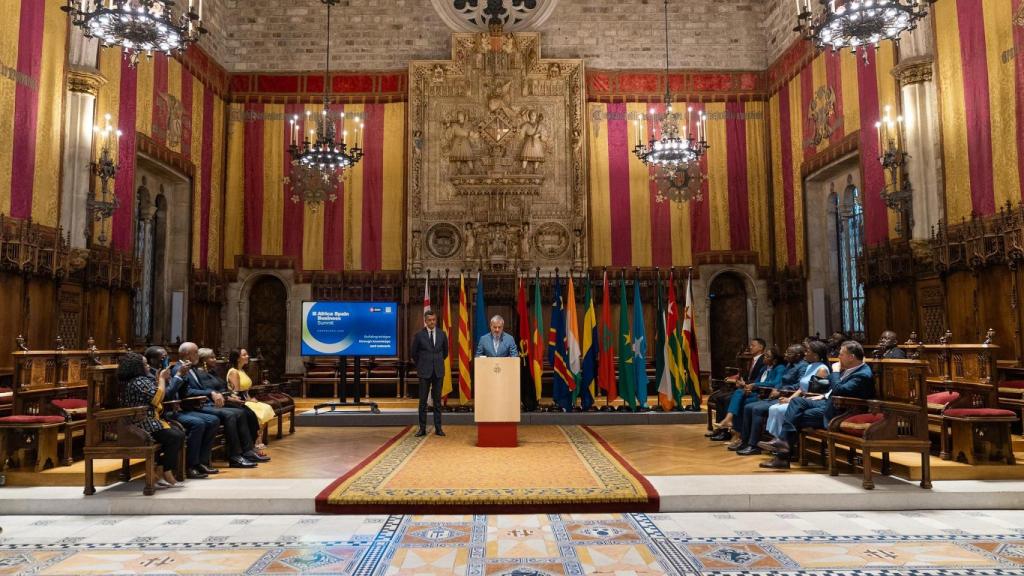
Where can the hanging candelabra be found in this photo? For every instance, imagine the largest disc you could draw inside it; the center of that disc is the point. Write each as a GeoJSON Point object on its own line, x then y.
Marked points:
{"type": "Point", "coordinates": [857, 24]}
{"type": "Point", "coordinates": [139, 26]}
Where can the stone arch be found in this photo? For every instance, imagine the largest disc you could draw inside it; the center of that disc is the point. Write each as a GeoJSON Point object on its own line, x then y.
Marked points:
{"type": "Point", "coordinates": [235, 328]}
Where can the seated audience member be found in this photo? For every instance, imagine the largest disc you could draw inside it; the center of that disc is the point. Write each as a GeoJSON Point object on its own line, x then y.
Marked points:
{"type": "Point", "coordinates": [140, 387]}
{"type": "Point", "coordinates": [771, 377]}
{"type": "Point", "coordinates": [233, 416]}
{"type": "Point", "coordinates": [889, 347]}
{"type": "Point", "coordinates": [834, 342]}
{"type": "Point", "coordinates": [755, 413]}
{"type": "Point", "coordinates": [815, 411]}
{"type": "Point", "coordinates": [817, 369]}
{"type": "Point", "coordinates": [240, 383]}
{"type": "Point", "coordinates": [720, 398]}
{"type": "Point", "coordinates": [200, 426]}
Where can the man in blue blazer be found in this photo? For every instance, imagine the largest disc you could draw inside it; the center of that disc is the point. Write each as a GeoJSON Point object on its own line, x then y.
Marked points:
{"type": "Point", "coordinates": [854, 380]}
{"type": "Point", "coordinates": [497, 344]}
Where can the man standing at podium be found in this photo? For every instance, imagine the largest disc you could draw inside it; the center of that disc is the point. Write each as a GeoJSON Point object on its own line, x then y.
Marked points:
{"type": "Point", "coordinates": [429, 349]}
{"type": "Point", "coordinates": [497, 344]}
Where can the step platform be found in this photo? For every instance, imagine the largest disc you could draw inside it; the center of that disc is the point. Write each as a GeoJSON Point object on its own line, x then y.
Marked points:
{"type": "Point", "coordinates": [356, 416]}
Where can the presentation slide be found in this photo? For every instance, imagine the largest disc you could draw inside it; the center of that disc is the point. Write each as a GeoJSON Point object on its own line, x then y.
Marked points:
{"type": "Point", "coordinates": [349, 328]}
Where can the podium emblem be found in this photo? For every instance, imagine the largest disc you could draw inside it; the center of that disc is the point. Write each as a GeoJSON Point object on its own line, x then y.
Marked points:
{"type": "Point", "coordinates": [496, 369]}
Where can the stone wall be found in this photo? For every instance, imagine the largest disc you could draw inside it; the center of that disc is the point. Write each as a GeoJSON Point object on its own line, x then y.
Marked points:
{"type": "Point", "coordinates": [368, 35]}
{"type": "Point", "coordinates": [779, 23]}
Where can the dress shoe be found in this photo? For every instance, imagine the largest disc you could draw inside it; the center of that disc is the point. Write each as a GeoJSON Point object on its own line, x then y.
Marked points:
{"type": "Point", "coordinates": [736, 446]}
{"type": "Point", "coordinates": [239, 462]}
{"type": "Point", "coordinates": [207, 469]}
{"type": "Point", "coordinates": [440, 433]}
{"type": "Point", "coordinates": [749, 451]}
{"type": "Point", "coordinates": [722, 435]}
{"type": "Point", "coordinates": [422, 432]}
{"type": "Point", "coordinates": [195, 474]}
{"type": "Point", "coordinates": [252, 456]}
{"type": "Point", "coordinates": [780, 462]}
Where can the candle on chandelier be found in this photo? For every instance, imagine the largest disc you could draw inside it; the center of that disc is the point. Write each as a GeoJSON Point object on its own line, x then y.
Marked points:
{"type": "Point", "coordinates": [900, 135]}
{"type": "Point", "coordinates": [878, 128]}
{"type": "Point", "coordinates": [200, 12]}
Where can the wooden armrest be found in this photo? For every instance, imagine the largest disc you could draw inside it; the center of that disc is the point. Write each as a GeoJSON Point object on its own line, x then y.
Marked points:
{"type": "Point", "coordinates": [109, 414]}
{"type": "Point", "coordinates": [264, 388]}
{"type": "Point", "coordinates": [888, 406]}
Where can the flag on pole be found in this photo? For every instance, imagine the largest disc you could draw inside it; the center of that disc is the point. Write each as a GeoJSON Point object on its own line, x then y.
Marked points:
{"type": "Point", "coordinates": [691, 357]}
{"type": "Point", "coordinates": [446, 327]}
{"type": "Point", "coordinates": [523, 320]}
{"type": "Point", "coordinates": [627, 377]}
{"type": "Point", "coordinates": [561, 391]}
{"type": "Point", "coordinates": [572, 338]}
{"type": "Point", "coordinates": [586, 388]}
{"type": "Point", "coordinates": [675, 343]}
{"type": "Point", "coordinates": [426, 294]}
{"type": "Point", "coordinates": [639, 347]}
{"type": "Point", "coordinates": [662, 357]}
{"type": "Point", "coordinates": [606, 362]}
{"type": "Point", "coordinates": [537, 339]}
{"type": "Point", "coordinates": [465, 386]}
{"type": "Point", "coordinates": [480, 324]}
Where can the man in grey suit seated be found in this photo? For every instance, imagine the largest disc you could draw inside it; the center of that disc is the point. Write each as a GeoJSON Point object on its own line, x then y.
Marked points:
{"type": "Point", "coordinates": [497, 344]}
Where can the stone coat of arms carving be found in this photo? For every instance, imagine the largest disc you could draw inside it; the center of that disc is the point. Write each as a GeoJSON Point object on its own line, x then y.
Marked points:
{"type": "Point", "coordinates": [497, 158]}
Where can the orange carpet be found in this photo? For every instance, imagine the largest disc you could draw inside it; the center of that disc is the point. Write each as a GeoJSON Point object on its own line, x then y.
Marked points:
{"type": "Point", "coordinates": [554, 469]}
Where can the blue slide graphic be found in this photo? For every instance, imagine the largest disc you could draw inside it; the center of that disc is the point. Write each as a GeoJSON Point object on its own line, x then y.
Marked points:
{"type": "Point", "coordinates": [349, 328]}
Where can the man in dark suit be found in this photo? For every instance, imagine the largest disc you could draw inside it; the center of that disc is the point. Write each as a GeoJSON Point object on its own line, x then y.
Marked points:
{"type": "Point", "coordinates": [200, 427]}
{"type": "Point", "coordinates": [755, 414]}
{"type": "Point", "coordinates": [720, 398]}
{"type": "Point", "coordinates": [889, 346]}
{"type": "Point", "coordinates": [854, 380]}
{"type": "Point", "coordinates": [428, 350]}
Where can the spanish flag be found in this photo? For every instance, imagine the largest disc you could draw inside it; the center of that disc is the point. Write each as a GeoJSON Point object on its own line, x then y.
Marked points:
{"type": "Point", "coordinates": [446, 327]}
{"type": "Point", "coordinates": [465, 386]}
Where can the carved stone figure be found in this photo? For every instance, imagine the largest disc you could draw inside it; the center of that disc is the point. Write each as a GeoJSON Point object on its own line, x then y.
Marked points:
{"type": "Point", "coordinates": [524, 242]}
{"type": "Point", "coordinates": [417, 254]}
{"type": "Point", "coordinates": [459, 136]}
{"type": "Point", "coordinates": [470, 252]}
{"type": "Point", "coordinates": [534, 146]}
{"type": "Point", "coordinates": [577, 254]}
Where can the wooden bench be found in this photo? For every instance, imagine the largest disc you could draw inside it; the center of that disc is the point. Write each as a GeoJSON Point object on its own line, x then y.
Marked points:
{"type": "Point", "coordinates": [896, 421]}
{"type": "Point", "coordinates": [322, 371]}
{"type": "Point", "coordinates": [963, 400]}
{"type": "Point", "coordinates": [48, 401]}
{"type": "Point", "coordinates": [110, 432]}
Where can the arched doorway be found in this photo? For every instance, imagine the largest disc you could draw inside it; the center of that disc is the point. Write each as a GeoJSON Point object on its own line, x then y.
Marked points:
{"type": "Point", "coordinates": [728, 321]}
{"type": "Point", "coordinates": [268, 324]}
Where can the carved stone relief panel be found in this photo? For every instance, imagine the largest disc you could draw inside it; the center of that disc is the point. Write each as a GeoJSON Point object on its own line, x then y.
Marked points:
{"type": "Point", "coordinates": [497, 158]}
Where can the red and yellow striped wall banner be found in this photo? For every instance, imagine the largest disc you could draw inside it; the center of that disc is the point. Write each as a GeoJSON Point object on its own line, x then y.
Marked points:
{"type": "Point", "coordinates": [980, 56]}
{"type": "Point", "coordinates": [32, 55]}
{"type": "Point", "coordinates": [162, 100]}
{"type": "Point", "coordinates": [361, 230]}
{"type": "Point", "coordinates": [629, 227]}
{"type": "Point", "coordinates": [858, 94]}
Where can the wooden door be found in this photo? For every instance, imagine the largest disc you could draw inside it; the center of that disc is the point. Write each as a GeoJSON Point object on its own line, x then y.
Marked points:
{"type": "Point", "coordinates": [728, 323]}
{"type": "Point", "coordinates": [268, 325]}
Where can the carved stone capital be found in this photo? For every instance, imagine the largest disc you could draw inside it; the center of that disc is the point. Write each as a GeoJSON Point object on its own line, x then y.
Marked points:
{"type": "Point", "coordinates": [85, 80]}
{"type": "Point", "coordinates": [914, 70]}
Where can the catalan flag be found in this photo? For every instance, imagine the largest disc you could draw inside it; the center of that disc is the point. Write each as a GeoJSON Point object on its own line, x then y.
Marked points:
{"type": "Point", "coordinates": [465, 382]}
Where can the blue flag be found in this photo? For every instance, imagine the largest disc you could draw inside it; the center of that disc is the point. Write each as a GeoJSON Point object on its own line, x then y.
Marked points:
{"type": "Point", "coordinates": [561, 375]}
{"type": "Point", "coordinates": [639, 348]}
{"type": "Point", "coordinates": [586, 388]}
{"type": "Point", "coordinates": [480, 324]}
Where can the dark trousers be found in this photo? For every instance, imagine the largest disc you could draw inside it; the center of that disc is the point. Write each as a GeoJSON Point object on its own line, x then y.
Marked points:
{"type": "Point", "coordinates": [804, 413]}
{"type": "Point", "coordinates": [170, 441]}
{"type": "Point", "coordinates": [720, 400]}
{"type": "Point", "coordinates": [200, 429]}
{"type": "Point", "coordinates": [527, 391]}
{"type": "Point", "coordinates": [432, 386]}
{"type": "Point", "coordinates": [236, 430]}
{"type": "Point", "coordinates": [251, 422]}
{"type": "Point", "coordinates": [755, 415]}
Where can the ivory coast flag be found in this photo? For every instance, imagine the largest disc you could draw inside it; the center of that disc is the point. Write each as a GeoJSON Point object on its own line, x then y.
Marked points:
{"type": "Point", "coordinates": [446, 327]}
{"type": "Point", "coordinates": [662, 355]}
{"type": "Point", "coordinates": [465, 391]}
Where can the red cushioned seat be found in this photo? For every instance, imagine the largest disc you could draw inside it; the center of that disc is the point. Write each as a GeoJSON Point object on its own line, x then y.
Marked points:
{"type": "Point", "coordinates": [74, 407]}
{"type": "Point", "coordinates": [27, 419]}
{"type": "Point", "coordinates": [940, 400]}
{"type": "Point", "coordinates": [1015, 387]}
{"type": "Point", "coordinates": [979, 413]}
{"type": "Point", "coordinates": [857, 424]}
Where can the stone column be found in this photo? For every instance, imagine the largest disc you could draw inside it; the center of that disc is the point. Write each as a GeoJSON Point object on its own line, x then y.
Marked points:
{"type": "Point", "coordinates": [920, 103]}
{"type": "Point", "coordinates": [83, 84]}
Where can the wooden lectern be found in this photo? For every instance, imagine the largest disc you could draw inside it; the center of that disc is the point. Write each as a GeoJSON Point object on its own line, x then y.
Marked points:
{"type": "Point", "coordinates": [496, 401]}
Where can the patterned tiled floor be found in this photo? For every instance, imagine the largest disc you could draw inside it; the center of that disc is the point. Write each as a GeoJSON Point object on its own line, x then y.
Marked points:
{"type": "Point", "coordinates": [804, 544]}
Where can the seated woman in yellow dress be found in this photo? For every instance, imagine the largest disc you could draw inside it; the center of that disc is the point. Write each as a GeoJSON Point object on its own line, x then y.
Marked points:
{"type": "Point", "coordinates": [240, 383]}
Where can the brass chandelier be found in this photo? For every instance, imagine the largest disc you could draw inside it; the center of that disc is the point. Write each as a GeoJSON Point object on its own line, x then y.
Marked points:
{"type": "Point", "coordinates": [139, 26]}
{"type": "Point", "coordinates": [857, 24]}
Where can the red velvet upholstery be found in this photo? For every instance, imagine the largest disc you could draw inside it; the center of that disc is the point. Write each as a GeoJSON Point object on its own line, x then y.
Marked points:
{"type": "Point", "coordinates": [74, 407]}
{"type": "Point", "coordinates": [857, 424]}
{"type": "Point", "coordinates": [940, 400]}
{"type": "Point", "coordinates": [26, 419]}
{"type": "Point", "coordinates": [979, 413]}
